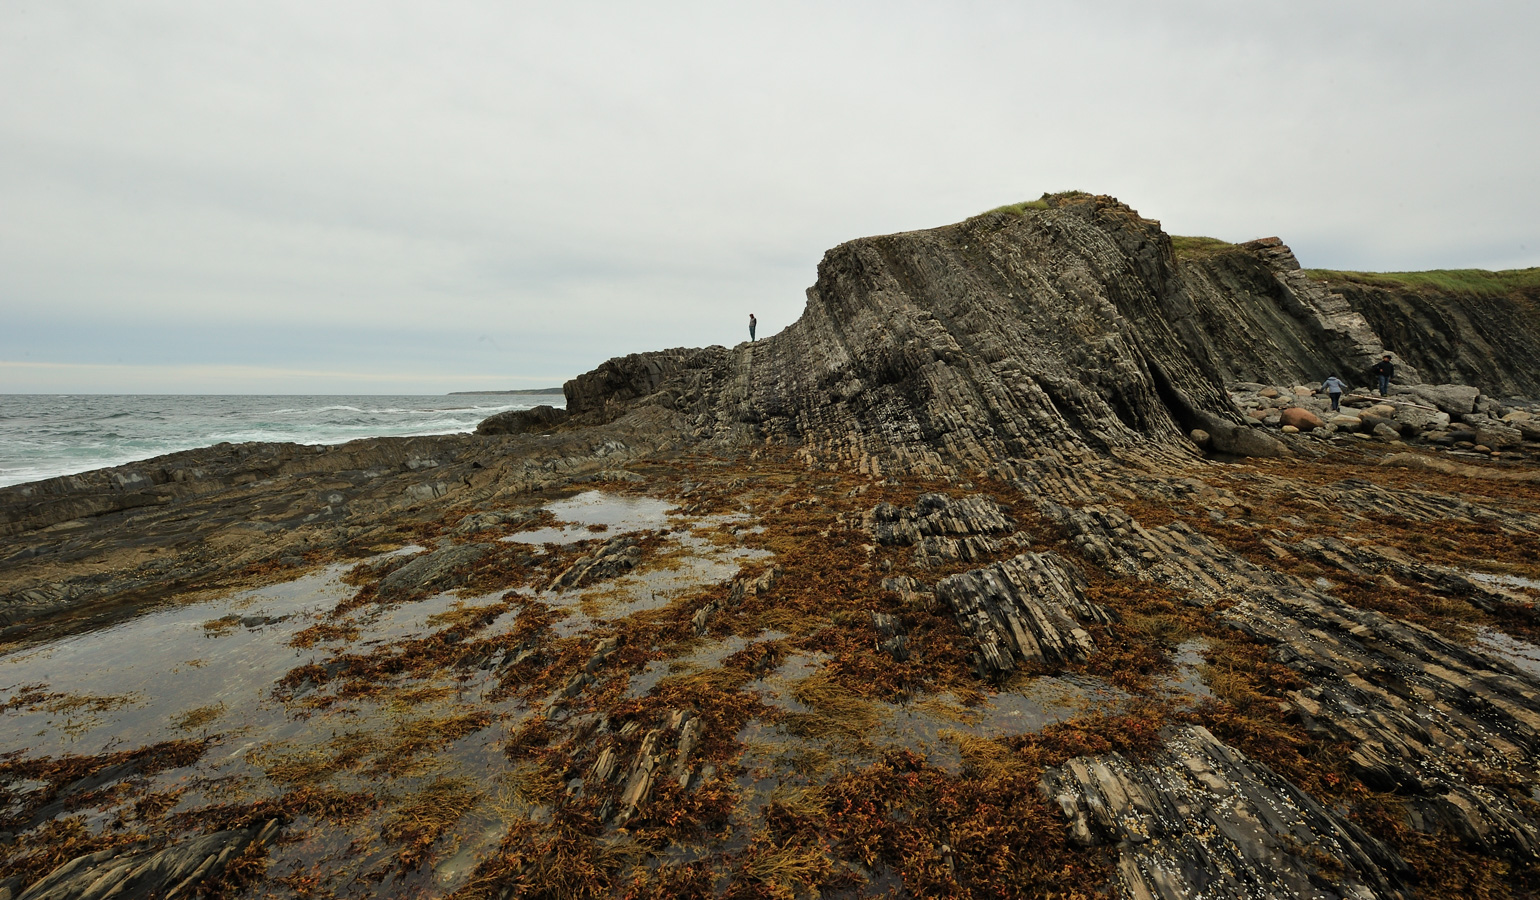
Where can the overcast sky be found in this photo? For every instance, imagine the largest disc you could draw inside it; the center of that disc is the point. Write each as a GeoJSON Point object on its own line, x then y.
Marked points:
{"type": "Point", "coordinates": [384, 197]}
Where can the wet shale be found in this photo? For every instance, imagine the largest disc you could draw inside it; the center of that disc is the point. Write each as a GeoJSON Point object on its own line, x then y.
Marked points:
{"type": "Point", "coordinates": [982, 580]}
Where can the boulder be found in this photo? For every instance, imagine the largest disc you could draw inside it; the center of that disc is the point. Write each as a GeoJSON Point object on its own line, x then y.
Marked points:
{"type": "Point", "coordinates": [1345, 422]}
{"type": "Point", "coordinates": [1301, 418]}
{"type": "Point", "coordinates": [1422, 419]}
{"type": "Point", "coordinates": [1497, 436]}
{"type": "Point", "coordinates": [1371, 422]}
{"type": "Point", "coordinates": [523, 421]}
{"type": "Point", "coordinates": [1455, 399]}
{"type": "Point", "coordinates": [1241, 441]}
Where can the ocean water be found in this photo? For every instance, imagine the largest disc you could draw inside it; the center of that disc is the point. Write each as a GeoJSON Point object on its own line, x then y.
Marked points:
{"type": "Point", "coordinates": [44, 435]}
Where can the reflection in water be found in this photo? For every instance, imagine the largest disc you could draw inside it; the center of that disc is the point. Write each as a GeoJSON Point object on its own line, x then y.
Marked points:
{"type": "Point", "coordinates": [209, 669]}
{"type": "Point", "coordinates": [1187, 680]}
{"type": "Point", "coordinates": [1523, 654]}
{"type": "Point", "coordinates": [224, 653]}
{"type": "Point", "coordinates": [1504, 580]}
{"type": "Point", "coordinates": [594, 513]}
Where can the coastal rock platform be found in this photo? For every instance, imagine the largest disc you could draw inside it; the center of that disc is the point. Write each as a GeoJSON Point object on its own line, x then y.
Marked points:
{"type": "Point", "coordinates": [1028, 562]}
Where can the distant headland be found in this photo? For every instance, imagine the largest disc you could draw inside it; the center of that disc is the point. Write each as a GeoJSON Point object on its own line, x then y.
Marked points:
{"type": "Point", "coordinates": [528, 392]}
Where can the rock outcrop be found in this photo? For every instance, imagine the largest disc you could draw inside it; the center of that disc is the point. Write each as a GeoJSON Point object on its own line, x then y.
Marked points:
{"type": "Point", "coordinates": [178, 872]}
{"type": "Point", "coordinates": [1064, 332]}
{"type": "Point", "coordinates": [1049, 443]}
{"type": "Point", "coordinates": [523, 421]}
{"type": "Point", "coordinates": [1250, 833]}
{"type": "Point", "coordinates": [1027, 609]}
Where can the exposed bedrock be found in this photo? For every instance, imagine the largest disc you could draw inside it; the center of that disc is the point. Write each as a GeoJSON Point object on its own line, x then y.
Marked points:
{"type": "Point", "coordinates": [1073, 352]}
{"type": "Point", "coordinates": [1454, 338]}
{"type": "Point", "coordinates": [1202, 820]}
{"type": "Point", "coordinates": [181, 870]}
{"type": "Point", "coordinates": [1001, 337]}
{"type": "Point", "coordinates": [1068, 330]}
{"type": "Point", "coordinates": [523, 421]}
{"type": "Point", "coordinates": [1027, 609]}
{"type": "Point", "coordinates": [1420, 711]}
{"type": "Point", "coordinates": [147, 530]}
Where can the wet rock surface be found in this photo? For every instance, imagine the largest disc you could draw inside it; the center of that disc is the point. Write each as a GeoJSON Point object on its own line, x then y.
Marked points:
{"type": "Point", "coordinates": [1027, 609]}
{"type": "Point", "coordinates": [1202, 820]}
{"type": "Point", "coordinates": [171, 873]}
{"type": "Point", "coordinates": [892, 603]}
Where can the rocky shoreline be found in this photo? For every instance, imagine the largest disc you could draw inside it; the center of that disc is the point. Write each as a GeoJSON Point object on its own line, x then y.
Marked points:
{"type": "Point", "coordinates": [1448, 416]}
{"type": "Point", "coordinates": [1028, 562]}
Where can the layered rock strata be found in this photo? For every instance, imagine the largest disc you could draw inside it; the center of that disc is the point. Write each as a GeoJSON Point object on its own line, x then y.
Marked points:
{"type": "Point", "coordinates": [1205, 821]}
{"type": "Point", "coordinates": [1032, 380]}
{"type": "Point", "coordinates": [1027, 609]}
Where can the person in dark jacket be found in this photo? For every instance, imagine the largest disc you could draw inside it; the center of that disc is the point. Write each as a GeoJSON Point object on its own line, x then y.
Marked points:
{"type": "Point", "coordinates": [1383, 370]}
{"type": "Point", "coordinates": [752, 322]}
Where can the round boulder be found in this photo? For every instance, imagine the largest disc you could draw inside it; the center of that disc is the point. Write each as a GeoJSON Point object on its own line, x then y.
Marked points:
{"type": "Point", "coordinates": [1301, 418]}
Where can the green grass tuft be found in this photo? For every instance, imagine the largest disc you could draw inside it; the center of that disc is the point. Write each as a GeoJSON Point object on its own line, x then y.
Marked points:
{"type": "Point", "coordinates": [1472, 282]}
{"type": "Point", "coordinates": [1020, 209]}
{"type": "Point", "coordinates": [1047, 201]}
{"type": "Point", "coordinates": [1190, 247]}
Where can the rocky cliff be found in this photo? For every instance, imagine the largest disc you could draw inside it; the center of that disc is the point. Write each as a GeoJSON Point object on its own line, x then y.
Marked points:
{"type": "Point", "coordinates": [1072, 330]}
{"type": "Point", "coordinates": [1028, 562]}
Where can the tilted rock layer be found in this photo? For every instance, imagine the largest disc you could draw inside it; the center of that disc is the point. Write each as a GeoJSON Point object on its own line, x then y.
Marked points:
{"type": "Point", "coordinates": [967, 475]}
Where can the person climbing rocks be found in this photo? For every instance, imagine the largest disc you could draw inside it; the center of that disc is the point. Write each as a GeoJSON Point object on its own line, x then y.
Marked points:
{"type": "Point", "coordinates": [1383, 370]}
{"type": "Point", "coordinates": [752, 322]}
{"type": "Point", "coordinates": [1334, 388]}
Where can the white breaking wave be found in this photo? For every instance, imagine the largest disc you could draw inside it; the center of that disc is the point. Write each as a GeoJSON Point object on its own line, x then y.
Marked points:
{"type": "Point", "coordinates": [44, 436]}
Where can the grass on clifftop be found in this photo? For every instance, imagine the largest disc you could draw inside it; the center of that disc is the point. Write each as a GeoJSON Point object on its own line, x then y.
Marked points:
{"type": "Point", "coordinates": [1475, 282]}
{"type": "Point", "coordinates": [1047, 201]}
{"type": "Point", "coordinates": [1019, 209]}
{"type": "Point", "coordinates": [1190, 247]}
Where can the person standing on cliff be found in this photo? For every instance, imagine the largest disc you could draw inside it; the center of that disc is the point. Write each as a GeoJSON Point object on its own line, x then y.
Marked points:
{"type": "Point", "coordinates": [1383, 370]}
{"type": "Point", "coordinates": [1334, 387]}
{"type": "Point", "coordinates": [752, 322]}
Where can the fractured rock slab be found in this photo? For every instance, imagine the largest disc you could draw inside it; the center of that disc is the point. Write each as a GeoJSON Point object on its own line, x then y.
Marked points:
{"type": "Point", "coordinates": [436, 571]}
{"type": "Point", "coordinates": [1027, 609]}
{"type": "Point", "coordinates": [616, 556]}
{"type": "Point", "coordinates": [177, 872]}
{"type": "Point", "coordinates": [1200, 819]}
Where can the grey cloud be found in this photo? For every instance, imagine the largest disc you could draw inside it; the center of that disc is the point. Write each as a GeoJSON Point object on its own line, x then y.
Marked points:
{"type": "Point", "coordinates": [620, 177]}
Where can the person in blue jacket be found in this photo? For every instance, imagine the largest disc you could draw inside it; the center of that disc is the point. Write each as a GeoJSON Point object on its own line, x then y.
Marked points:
{"type": "Point", "coordinates": [1334, 388]}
